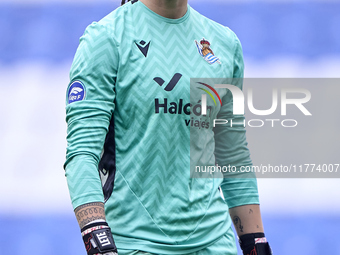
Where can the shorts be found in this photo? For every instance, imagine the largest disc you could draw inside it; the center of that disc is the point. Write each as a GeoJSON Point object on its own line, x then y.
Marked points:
{"type": "Point", "coordinates": [226, 245]}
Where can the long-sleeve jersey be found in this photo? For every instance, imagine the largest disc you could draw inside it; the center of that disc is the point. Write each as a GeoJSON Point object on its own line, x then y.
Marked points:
{"type": "Point", "coordinates": [136, 128]}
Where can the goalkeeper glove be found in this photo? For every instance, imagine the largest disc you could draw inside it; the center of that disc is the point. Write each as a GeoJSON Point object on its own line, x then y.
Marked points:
{"type": "Point", "coordinates": [98, 239]}
{"type": "Point", "coordinates": [255, 244]}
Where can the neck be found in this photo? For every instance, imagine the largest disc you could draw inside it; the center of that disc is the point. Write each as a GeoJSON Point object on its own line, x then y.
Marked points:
{"type": "Point", "coordinates": [172, 9]}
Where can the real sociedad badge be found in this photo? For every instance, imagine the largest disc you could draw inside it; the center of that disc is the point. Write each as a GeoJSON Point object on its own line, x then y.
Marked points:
{"type": "Point", "coordinates": [76, 92]}
{"type": "Point", "coordinates": [206, 52]}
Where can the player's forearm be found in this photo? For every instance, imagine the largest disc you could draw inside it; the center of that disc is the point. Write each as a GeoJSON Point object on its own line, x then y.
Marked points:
{"type": "Point", "coordinates": [89, 212]}
{"type": "Point", "coordinates": [247, 219]}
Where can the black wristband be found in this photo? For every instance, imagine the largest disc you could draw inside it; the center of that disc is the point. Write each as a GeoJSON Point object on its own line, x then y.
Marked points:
{"type": "Point", "coordinates": [98, 238]}
{"type": "Point", "coordinates": [254, 244]}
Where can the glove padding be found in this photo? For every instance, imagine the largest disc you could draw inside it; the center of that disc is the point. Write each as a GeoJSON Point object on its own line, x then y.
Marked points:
{"type": "Point", "coordinates": [255, 244]}
{"type": "Point", "coordinates": [98, 239]}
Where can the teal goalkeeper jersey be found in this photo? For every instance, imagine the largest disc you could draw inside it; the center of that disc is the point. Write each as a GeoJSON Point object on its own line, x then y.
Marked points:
{"type": "Point", "coordinates": [136, 128]}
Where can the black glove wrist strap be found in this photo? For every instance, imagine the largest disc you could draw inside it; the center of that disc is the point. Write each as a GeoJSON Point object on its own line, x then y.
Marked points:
{"type": "Point", "coordinates": [98, 238]}
{"type": "Point", "coordinates": [254, 244]}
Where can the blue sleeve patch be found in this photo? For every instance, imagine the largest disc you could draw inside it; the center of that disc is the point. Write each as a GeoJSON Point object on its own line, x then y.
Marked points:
{"type": "Point", "coordinates": [76, 92]}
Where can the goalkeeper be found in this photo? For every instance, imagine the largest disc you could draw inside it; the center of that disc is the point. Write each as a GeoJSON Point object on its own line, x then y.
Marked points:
{"type": "Point", "coordinates": [133, 135]}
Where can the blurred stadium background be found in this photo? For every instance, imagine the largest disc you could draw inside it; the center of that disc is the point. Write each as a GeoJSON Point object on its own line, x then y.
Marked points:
{"type": "Point", "coordinates": [38, 38]}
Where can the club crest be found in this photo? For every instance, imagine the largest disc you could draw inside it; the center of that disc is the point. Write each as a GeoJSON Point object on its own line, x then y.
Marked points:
{"type": "Point", "coordinates": [206, 52]}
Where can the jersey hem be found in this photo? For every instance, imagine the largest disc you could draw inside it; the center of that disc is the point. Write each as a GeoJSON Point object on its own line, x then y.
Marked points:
{"type": "Point", "coordinates": [157, 248]}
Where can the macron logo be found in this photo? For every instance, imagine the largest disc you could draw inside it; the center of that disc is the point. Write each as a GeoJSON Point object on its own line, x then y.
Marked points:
{"type": "Point", "coordinates": [142, 48]}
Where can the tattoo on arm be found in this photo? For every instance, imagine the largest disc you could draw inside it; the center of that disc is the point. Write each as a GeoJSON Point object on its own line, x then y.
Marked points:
{"type": "Point", "coordinates": [89, 212]}
{"type": "Point", "coordinates": [250, 211]}
{"type": "Point", "coordinates": [238, 223]}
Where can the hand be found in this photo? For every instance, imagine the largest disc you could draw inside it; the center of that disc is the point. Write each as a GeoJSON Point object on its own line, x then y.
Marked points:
{"type": "Point", "coordinates": [98, 239]}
